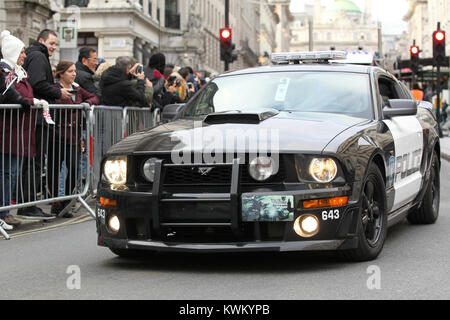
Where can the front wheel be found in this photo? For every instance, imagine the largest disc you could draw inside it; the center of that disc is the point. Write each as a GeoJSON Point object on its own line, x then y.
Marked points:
{"type": "Point", "coordinates": [373, 218]}
{"type": "Point", "coordinates": [428, 211]}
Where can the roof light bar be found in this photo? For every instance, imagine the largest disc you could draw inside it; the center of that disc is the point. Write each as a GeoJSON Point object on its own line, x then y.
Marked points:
{"type": "Point", "coordinates": [287, 57]}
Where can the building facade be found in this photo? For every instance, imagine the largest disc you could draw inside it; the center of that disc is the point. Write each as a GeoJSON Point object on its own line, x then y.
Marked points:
{"type": "Point", "coordinates": [422, 18]}
{"type": "Point", "coordinates": [186, 31]}
{"type": "Point", "coordinates": [339, 26]}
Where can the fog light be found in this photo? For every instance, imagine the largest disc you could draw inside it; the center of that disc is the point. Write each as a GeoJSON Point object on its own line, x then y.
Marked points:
{"type": "Point", "coordinates": [306, 226]}
{"type": "Point", "coordinates": [114, 224]}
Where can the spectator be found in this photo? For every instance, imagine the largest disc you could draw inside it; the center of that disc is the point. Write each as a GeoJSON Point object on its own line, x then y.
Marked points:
{"type": "Point", "coordinates": [37, 65]}
{"type": "Point", "coordinates": [98, 74]}
{"type": "Point", "coordinates": [148, 90]}
{"type": "Point", "coordinates": [417, 92]}
{"type": "Point", "coordinates": [39, 69]}
{"type": "Point", "coordinates": [116, 87]}
{"type": "Point", "coordinates": [168, 70]}
{"type": "Point", "coordinates": [153, 73]}
{"type": "Point", "coordinates": [68, 133]}
{"type": "Point", "coordinates": [193, 78]}
{"type": "Point", "coordinates": [184, 91]}
{"type": "Point", "coordinates": [18, 128]}
{"type": "Point", "coordinates": [86, 66]}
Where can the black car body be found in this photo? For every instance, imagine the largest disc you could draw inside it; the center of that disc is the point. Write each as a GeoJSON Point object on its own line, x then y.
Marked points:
{"type": "Point", "coordinates": [385, 161]}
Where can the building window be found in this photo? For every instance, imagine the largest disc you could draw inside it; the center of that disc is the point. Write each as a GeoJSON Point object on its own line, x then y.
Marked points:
{"type": "Point", "coordinates": [316, 36]}
{"type": "Point", "coordinates": [150, 8]}
{"type": "Point", "coordinates": [78, 3]}
{"type": "Point", "coordinates": [329, 36]}
{"type": "Point", "coordinates": [87, 39]}
{"type": "Point", "coordinates": [172, 15]}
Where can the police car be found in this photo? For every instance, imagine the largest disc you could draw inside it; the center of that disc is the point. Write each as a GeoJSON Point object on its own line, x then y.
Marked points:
{"type": "Point", "coordinates": [302, 155]}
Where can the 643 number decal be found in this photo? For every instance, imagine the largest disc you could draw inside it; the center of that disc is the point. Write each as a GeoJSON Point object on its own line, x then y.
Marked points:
{"type": "Point", "coordinates": [330, 215]}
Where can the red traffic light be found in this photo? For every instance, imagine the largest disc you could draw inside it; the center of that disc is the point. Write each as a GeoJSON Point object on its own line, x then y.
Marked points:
{"type": "Point", "coordinates": [414, 50]}
{"type": "Point", "coordinates": [439, 36]}
{"type": "Point", "coordinates": [225, 34]}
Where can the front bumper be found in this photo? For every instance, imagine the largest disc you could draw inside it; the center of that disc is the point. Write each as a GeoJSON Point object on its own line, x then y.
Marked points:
{"type": "Point", "coordinates": [278, 246]}
{"type": "Point", "coordinates": [212, 222]}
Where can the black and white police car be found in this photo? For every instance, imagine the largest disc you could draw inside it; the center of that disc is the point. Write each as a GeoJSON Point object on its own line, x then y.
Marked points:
{"type": "Point", "coordinates": [305, 154]}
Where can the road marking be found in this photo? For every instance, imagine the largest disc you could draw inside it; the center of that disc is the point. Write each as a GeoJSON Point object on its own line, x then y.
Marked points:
{"type": "Point", "coordinates": [76, 220]}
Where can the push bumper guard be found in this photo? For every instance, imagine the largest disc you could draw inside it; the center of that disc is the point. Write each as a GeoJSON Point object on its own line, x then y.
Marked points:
{"type": "Point", "coordinates": [232, 197]}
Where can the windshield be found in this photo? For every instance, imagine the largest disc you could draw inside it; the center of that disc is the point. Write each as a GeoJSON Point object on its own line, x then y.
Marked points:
{"type": "Point", "coordinates": [330, 92]}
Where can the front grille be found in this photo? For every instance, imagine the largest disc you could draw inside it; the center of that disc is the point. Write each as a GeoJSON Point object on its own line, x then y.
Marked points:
{"type": "Point", "coordinates": [214, 175]}
{"type": "Point", "coordinates": [219, 175]}
{"type": "Point", "coordinates": [193, 175]}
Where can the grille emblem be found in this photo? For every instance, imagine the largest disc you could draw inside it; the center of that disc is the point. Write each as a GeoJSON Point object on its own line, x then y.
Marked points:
{"type": "Point", "coordinates": [204, 171]}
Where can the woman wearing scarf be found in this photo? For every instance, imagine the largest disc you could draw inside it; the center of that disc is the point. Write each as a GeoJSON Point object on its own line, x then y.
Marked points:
{"type": "Point", "coordinates": [17, 128]}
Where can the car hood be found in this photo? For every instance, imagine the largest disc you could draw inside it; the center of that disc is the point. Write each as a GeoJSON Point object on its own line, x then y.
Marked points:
{"type": "Point", "coordinates": [284, 132]}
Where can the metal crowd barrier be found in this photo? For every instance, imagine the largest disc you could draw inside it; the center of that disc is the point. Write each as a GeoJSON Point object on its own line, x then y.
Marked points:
{"type": "Point", "coordinates": [106, 130]}
{"type": "Point", "coordinates": [41, 163]}
{"type": "Point", "coordinates": [66, 165]}
{"type": "Point", "coordinates": [109, 125]}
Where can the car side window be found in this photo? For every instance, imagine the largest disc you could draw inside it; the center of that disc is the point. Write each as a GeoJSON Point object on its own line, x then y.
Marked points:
{"type": "Point", "coordinates": [388, 89]}
{"type": "Point", "coordinates": [407, 93]}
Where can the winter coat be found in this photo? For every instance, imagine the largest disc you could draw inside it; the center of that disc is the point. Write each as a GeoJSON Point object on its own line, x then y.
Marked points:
{"type": "Point", "coordinates": [40, 74]}
{"type": "Point", "coordinates": [68, 128]}
{"type": "Point", "coordinates": [85, 79]}
{"type": "Point", "coordinates": [19, 128]}
{"type": "Point", "coordinates": [117, 89]}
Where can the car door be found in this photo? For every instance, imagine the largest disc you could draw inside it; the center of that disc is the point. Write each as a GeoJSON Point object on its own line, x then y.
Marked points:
{"type": "Point", "coordinates": [407, 134]}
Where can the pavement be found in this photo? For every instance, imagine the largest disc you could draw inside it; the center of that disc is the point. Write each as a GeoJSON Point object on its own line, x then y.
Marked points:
{"type": "Point", "coordinates": [29, 226]}
{"type": "Point", "coordinates": [445, 145]}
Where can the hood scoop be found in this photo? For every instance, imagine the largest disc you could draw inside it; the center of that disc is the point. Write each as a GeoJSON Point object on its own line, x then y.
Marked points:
{"type": "Point", "coordinates": [248, 117]}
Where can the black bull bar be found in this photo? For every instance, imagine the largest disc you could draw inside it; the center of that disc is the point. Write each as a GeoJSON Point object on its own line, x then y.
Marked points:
{"type": "Point", "coordinates": [232, 197]}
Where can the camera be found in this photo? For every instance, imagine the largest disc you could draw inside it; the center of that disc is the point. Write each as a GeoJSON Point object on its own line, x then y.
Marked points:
{"type": "Point", "coordinates": [173, 81]}
{"type": "Point", "coordinates": [140, 69]}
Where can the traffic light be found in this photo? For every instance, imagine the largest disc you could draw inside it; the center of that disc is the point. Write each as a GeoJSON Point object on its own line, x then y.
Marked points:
{"type": "Point", "coordinates": [226, 46]}
{"type": "Point", "coordinates": [414, 50]}
{"type": "Point", "coordinates": [438, 48]}
{"type": "Point", "coordinates": [225, 43]}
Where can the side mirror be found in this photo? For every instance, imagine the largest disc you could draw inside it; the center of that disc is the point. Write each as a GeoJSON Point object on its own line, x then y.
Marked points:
{"type": "Point", "coordinates": [399, 107]}
{"type": "Point", "coordinates": [171, 111]}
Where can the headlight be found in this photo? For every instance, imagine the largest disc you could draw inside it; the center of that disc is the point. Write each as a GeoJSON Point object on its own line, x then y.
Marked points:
{"type": "Point", "coordinates": [149, 169]}
{"type": "Point", "coordinates": [262, 168]}
{"type": "Point", "coordinates": [115, 170]}
{"type": "Point", "coordinates": [323, 170]}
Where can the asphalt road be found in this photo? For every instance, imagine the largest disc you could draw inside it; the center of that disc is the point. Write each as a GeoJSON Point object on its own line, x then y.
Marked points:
{"type": "Point", "coordinates": [414, 264]}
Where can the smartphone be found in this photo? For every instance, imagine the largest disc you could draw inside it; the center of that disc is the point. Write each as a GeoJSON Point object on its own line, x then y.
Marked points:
{"type": "Point", "coordinates": [73, 91]}
{"type": "Point", "coordinates": [140, 69]}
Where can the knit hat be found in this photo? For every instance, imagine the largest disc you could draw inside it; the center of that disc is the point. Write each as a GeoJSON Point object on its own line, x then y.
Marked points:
{"type": "Point", "coordinates": [11, 48]}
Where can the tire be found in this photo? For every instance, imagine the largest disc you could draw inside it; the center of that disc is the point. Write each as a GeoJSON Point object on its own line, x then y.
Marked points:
{"type": "Point", "coordinates": [428, 211]}
{"type": "Point", "coordinates": [132, 254]}
{"type": "Point", "coordinates": [372, 230]}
